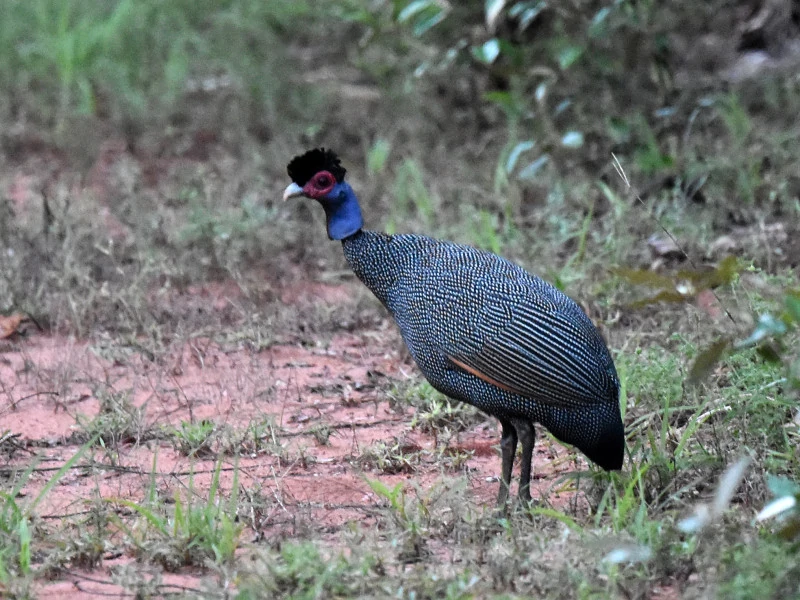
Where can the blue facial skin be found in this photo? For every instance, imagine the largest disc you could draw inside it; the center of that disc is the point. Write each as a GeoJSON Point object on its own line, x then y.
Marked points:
{"type": "Point", "coordinates": [342, 211]}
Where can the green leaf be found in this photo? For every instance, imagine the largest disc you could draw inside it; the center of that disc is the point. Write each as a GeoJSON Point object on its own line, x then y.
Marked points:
{"type": "Point", "coordinates": [540, 93]}
{"type": "Point", "coordinates": [504, 100]}
{"type": "Point", "coordinates": [728, 484]}
{"type": "Point", "coordinates": [24, 534]}
{"type": "Point", "coordinates": [644, 277]}
{"type": "Point", "coordinates": [704, 513]}
{"type": "Point", "coordinates": [492, 12]}
{"type": "Point", "coordinates": [411, 9]}
{"type": "Point", "coordinates": [790, 530]}
{"type": "Point", "coordinates": [572, 139]}
{"type": "Point", "coordinates": [777, 507]}
{"type": "Point", "coordinates": [515, 153]}
{"type": "Point", "coordinates": [725, 273]}
{"type": "Point", "coordinates": [488, 52]}
{"type": "Point", "coordinates": [629, 554]}
{"type": "Point", "coordinates": [529, 172]}
{"type": "Point", "coordinates": [568, 55]}
{"type": "Point", "coordinates": [793, 306]}
{"type": "Point", "coordinates": [683, 285]}
{"type": "Point", "coordinates": [382, 489]}
{"type": "Point", "coordinates": [525, 14]}
{"type": "Point", "coordinates": [768, 326]}
{"type": "Point", "coordinates": [558, 515]}
{"type": "Point", "coordinates": [770, 352]}
{"type": "Point", "coordinates": [599, 26]}
{"type": "Point", "coordinates": [160, 523]}
{"type": "Point", "coordinates": [618, 129]}
{"type": "Point", "coordinates": [423, 15]}
{"type": "Point", "coordinates": [429, 21]}
{"type": "Point", "coordinates": [782, 486]}
{"type": "Point", "coordinates": [707, 360]}
{"type": "Point", "coordinates": [663, 296]}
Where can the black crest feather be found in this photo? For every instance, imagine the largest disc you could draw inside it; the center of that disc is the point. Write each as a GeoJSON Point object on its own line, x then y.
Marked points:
{"type": "Point", "coordinates": [304, 167]}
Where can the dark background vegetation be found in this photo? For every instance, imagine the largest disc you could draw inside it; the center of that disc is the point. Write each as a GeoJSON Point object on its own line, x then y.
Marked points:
{"type": "Point", "coordinates": [143, 147]}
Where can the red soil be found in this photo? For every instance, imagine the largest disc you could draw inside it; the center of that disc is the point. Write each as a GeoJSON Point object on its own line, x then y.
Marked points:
{"type": "Point", "coordinates": [52, 387]}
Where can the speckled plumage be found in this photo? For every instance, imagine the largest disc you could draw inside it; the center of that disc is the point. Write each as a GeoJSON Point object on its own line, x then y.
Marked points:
{"type": "Point", "coordinates": [485, 331]}
{"type": "Point", "coordinates": [451, 301]}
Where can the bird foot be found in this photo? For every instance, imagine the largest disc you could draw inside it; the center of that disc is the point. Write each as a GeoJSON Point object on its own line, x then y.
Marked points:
{"type": "Point", "coordinates": [523, 501]}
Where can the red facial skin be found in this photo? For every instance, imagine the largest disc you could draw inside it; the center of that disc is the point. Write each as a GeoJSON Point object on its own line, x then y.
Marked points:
{"type": "Point", "coordinates": [319, 185]}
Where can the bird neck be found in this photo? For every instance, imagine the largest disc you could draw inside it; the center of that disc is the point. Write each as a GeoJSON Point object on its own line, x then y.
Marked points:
{"type": "Point", "coordinates": [342, 212]}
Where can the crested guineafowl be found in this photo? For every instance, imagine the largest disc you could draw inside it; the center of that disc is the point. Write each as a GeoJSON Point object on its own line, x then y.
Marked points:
{"type": "Point", "coordinates": [481, 329]}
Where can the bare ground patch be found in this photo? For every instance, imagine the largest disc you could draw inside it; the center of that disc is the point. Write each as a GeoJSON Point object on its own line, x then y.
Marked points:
{"type": "Point", "coordinates": [299, 428]}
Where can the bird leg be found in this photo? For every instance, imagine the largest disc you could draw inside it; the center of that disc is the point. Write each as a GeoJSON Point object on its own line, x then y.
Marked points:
{"type": "Point", "coordinates": [527, 437]}
{"type": "Point", "coordinates": [508, 448]}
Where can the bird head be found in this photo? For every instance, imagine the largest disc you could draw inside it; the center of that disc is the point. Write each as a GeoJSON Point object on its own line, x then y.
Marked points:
{"type": "Point", "coordinates": [316, 174]}
{"type": "Point", "coordinates": [319, 175]}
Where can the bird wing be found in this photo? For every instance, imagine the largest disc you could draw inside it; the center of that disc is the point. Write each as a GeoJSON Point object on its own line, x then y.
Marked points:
{"type": "Point", "coordinates": [547, 351]}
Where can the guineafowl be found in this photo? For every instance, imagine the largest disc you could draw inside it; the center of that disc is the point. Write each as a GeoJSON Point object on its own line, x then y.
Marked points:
{"type": "Point", "coordinates": [481, 329]}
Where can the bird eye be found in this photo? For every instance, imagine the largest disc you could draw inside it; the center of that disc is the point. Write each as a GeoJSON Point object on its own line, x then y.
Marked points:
{"type": "Point", "coordinates": [323, 181]}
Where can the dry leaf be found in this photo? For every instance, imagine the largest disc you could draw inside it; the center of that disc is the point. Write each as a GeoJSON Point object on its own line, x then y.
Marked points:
{"type": "Point", "coordinates": [9, 324]}
{"type": "Point", "coordinates": [725, 244]}
{"type": "Point", "coordinates": [707, 301]}
{"type": "Point", "coordinates": [664, 246]}
{"type": "Point", "coordinates": [707, 360]}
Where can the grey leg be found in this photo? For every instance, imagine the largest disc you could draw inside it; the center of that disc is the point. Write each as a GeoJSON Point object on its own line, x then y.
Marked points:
{"type": "Point", "coordinates": [508, 448]}
{"type": "Point", "coordinates": [527, 437]}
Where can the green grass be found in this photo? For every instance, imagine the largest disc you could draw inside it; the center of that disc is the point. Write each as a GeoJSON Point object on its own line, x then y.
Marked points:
{"type": "Point", "coordinates": [194, 530]}
{"type": "Point", "coordinates": [301, 570]}
{"type": "Point", "coordinates": [19, 538]}
{"type": "Point", "coordinates": [501, 138]}
{"type": "Point", "coordinates": [134, 61]}
{"type": "Point", "coordinates": [194, 439]}
{"type": "Point", "coordinates": [434, 412]}
{"type": "Point", "coordinates": [118, 421]}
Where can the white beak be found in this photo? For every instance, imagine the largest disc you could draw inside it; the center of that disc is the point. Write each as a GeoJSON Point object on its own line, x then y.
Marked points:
{"type": "Point", "coordinates": [293, 191]}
